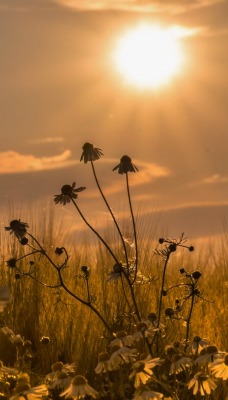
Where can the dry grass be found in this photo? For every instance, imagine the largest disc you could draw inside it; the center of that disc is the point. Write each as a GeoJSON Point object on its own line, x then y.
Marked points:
{"type": "Point", "coordinates": [76, 333]}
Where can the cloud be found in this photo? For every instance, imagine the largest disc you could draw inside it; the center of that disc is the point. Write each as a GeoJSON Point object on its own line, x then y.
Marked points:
{"type": "Point", "coordinates": [211, 180]}
{"type": "Point", "coordinates": [47, 140]}
{"type": "Point", "coordinates": [12, 162]}
{"type": "Point", "coordinates": [154, 6]}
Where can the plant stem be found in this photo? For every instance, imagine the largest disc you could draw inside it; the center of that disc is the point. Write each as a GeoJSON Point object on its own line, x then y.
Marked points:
{"type": "Point", "coordinates": [111, 212]}
{"type": "Point", "coordinates": [162, 287]}
{"type": "Point", "coordinates": [88, 304]}
{"type": "Point", "coordinates": [94, 231]}
{"type": "Point", "coordinates": [134, 228]}
{"type": "Point", "coordinates": [189, 318]}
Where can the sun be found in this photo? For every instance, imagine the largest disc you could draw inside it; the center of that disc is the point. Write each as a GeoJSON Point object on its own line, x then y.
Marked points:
{"type": "Point", "coordinates": [149, 56]}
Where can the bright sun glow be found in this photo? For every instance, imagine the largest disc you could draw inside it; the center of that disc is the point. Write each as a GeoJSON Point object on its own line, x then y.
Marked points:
{"type": "Point", "coordinates": [149, 56]}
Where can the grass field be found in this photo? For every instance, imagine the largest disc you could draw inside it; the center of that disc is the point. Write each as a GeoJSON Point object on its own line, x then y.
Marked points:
{"type": "Point", "coordinates": [76, 333]}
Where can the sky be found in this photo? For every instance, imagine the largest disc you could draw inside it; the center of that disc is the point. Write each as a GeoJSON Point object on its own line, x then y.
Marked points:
{"type": "Point", "coordinates": [60, 88]}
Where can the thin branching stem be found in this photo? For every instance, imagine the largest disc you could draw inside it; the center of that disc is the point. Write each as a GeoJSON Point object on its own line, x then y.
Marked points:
{"type": "Point", "coordinates": [111, 212]}
{"type": "Point", "coordinates": [134, 228]}
{"type": "Point", "coordinates": [86, 303]}
{"type": "Point", "coordinates": [94, 231]}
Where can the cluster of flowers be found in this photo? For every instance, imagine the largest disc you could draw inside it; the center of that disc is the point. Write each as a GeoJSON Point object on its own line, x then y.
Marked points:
{"type": "Point", "coordinates": [202, 365]}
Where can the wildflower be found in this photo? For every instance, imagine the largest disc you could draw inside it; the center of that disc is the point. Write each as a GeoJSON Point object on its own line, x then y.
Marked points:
{"type": "Point", "coordinates": [116, 273]}
{"type": "Point", "coordinates": [142, 331]}
{"type": "Point", "coordinates": [90, 153]}
{"type": "Point", "coordinates": [142, 370]}
{"type": "Point", "coordinates": [147, 395]}
{"type": "Point", "coordinates": [219, 368]}
{"type": "Point", "coordinates": [122, 339]}
{"type": "Point", "coordinates": [79, 389]}
{"type": "Point", "coordinates": [18, 228]}
{"type": "Point", "coordinates": [125, 166]}
{"type": "Point", "coordinates": [23, 391]}
{"type": "Point", "coordinates": [68, 192]}
{"type": "Point", "coordinates": [207, 354]}
{"type": "Point", "coordinates": [103, 363]}
{"type": "Point", "coordinates": [60, 367]}
{"type": "Point", "coordinates": [179, 364]}
{"type": "Point", "coordinates": [197, 345]}
{"type": "Point", "coordinates": [121, 355]}
{"type": "Point", "coordinates": [4, 297]}
{"type": "Point", "coordinates": [61, 380]}
{"type": "Point", "coordinates": [201, 383]}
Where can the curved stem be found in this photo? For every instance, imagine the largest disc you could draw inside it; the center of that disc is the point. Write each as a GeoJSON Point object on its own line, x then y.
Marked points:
{"type": "Point", "coordinates": [134, 228]}
{"type": "Point", "coordinates": [111, 212]}
{"type": "Point", "coordinates": [94, 231]}
{"type": "Point", "coordinates": [189, 318]}
{"type": "Point", "coordinates": [133, 296]}
{"type": "Point", "coordinates": [162, 287]}
{"type": "Point", "coordinates": [88, 304]}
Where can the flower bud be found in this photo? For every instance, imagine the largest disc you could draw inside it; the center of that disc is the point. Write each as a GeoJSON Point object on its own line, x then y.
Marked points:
{"type": "Point", "coordinates": [196, 274]}
{"type": "Point", "coordinates": [169, 311]}
{"type": "Point", "coordinates": [24, 241]}
{"type": "Point", "coordinates": [172, 247]}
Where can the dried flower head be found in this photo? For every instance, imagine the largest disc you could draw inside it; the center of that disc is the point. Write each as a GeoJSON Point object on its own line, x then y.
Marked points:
{"type": "Point", "coordinates": [90, 153]}
{"type": "Point", "coordinates": [11, 263]}
{"type": "Point", "coordinates": [68, 192]}
{"type": "Point", "coordinates": [18, 228]}
{"type": "Point", "coordinates": [125, 166]}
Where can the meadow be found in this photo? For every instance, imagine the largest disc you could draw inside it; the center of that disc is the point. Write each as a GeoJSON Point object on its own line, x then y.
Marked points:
{"type": "Point", "coordinates": [131, 314]}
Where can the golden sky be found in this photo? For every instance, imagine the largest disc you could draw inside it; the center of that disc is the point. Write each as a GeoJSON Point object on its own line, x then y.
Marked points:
{"type": "Point", "coordinates": [59, 88]}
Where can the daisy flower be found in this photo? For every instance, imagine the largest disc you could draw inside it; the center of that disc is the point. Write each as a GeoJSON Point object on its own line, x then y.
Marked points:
{"type": "Point", "coordinates": [197, 345]}
{"type": "Point", "coordinates": [142, 331]}
{"type": "Point", "coordinates": [202, 383]}
{"type": "Point", "coordinates": [23, 391]}
{"type": "Point", "coordinates": [207, 355]}
{"type": "Point", "coordinates": [122, 339]}
{"type": "Point", "coordinates": [58, 367]}
{"type": "Point", "coordinates": [79, 389]}
{"type": "Point", "coordinates": [121, 355]}
{"type": "Point", "coordinates": [90, 153]}
{"type": "Point", "coordinates": [103, 363]}
{"type": "Point", "coordinates": [125, 166]}
{"type": "Point", "coordinates": [61, 380]}
{"type": "Point", "coordinates": [18, 228]}
{"type": "Point", "coordinates": [68, 192]}
{"type": "Point", "coordinates": [179, 364]}
{"type": "Point", "coordinates": [142, 370]}
{"type": "Point", "coordinates": [219, 368]}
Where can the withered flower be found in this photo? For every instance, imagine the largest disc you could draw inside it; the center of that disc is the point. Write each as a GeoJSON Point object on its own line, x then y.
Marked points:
{"type": "Point", "coordinates": [125, 166]}
{"type": "Point", "coordinates": [18, 228]}
{"type": "Point", "coordinates": [90, 153]}
{"type": "Point", "coordinates": [68, 192]}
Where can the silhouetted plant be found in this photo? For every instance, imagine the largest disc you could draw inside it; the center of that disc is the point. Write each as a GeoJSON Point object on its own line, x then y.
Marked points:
{"type": "Point", "coordinates": [136, 362]}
